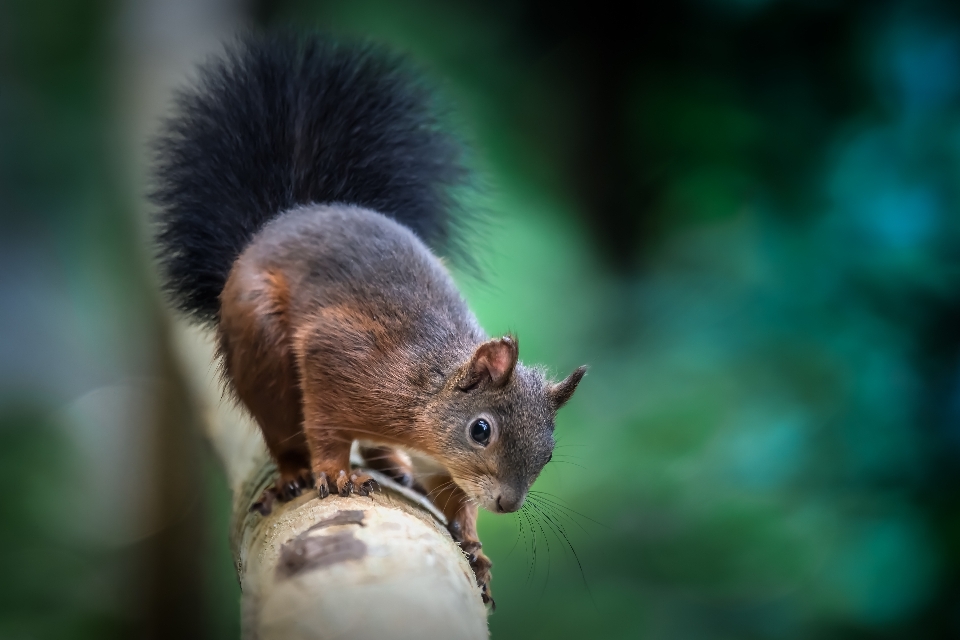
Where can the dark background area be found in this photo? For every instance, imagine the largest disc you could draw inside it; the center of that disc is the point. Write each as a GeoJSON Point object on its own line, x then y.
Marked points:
{"type": "Point", "coordinates": [744, 215]}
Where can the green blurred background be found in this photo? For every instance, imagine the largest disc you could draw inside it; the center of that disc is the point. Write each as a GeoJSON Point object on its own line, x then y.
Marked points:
{"type": "Point", "coordinates": [742, 214]}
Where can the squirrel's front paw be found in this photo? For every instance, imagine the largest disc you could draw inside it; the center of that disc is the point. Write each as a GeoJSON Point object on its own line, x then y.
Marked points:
{"type": "Point", "coordinates": [344, 484]}
{"type": "Point", "coordinates": [481, 565]}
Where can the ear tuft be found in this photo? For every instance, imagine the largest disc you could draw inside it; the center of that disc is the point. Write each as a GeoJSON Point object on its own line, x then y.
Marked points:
{"type": "Point", "coordinates": [494, 360]}
{"type": "Point", "coordinates": [563, 390]}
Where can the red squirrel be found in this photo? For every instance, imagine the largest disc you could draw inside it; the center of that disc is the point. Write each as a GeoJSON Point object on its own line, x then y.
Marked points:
{"type": "Point", "coordinates": [303, 187]}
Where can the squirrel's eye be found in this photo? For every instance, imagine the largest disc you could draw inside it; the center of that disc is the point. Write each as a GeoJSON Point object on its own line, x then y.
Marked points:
{"type": "Point", "coordinates": [480, 431]}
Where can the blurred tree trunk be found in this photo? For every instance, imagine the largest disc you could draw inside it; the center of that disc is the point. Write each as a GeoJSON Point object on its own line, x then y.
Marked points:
{"type": "Point", "coordinates": [175, 603]}
{"type": "Point", "coordinates": [160, 41]}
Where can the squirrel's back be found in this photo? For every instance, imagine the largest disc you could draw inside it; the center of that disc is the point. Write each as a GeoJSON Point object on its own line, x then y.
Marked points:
{"type": "Point", "coordinates": [283, 121]}
{"type": "Point", "coordinates": [353, 258]}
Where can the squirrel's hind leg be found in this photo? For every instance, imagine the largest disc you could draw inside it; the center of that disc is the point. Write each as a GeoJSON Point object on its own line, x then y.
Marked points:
{"type": "Point", "coordinates": [259, 363]}
{"type": "Point", "coordinates": [392, 462]}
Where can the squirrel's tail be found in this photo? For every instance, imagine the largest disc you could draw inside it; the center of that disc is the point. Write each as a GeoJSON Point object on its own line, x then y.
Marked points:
{"type": "Point", "coordinates": [282, 121]}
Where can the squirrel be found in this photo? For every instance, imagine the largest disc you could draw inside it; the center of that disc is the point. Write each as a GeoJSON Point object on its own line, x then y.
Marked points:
{"type": "Point", "coordinates": [305, 196]}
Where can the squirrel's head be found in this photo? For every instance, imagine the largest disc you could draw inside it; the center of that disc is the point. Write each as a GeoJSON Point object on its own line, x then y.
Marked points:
{"type": "Point", "coordinates": [497, 416]}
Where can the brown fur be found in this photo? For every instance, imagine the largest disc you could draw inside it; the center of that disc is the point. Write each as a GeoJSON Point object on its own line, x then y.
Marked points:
{"type": "Point", "coordinates": [338, 324]}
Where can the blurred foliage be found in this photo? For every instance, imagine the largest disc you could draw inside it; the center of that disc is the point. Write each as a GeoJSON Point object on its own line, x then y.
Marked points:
{"type": "Point", "coordinates": [53, 584]}
{"type": "Point", "coordinates": [743, 214]}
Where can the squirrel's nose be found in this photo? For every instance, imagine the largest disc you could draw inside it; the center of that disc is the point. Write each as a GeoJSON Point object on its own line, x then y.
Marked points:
{"type": "Point", "coordinates": [506, 504]}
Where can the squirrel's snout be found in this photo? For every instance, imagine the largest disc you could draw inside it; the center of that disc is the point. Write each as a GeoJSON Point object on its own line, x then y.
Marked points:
{"type": "Point", "coordinates": [507, 504]}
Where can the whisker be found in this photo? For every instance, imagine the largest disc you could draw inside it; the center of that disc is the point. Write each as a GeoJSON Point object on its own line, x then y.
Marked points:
{"type": "Point", "coordinates": [572, 464]}
{"type": "Point", "coordinates": [554, 509]}
{"type": "Point", "coordinates": [517, 541]}
{"type": "Point", "coordinates": [531, 569]}
{"type": "Point", "coordinates": [566, 539]}
{"type": "Point", "coordinates": [444, 486]}
{"type": "Point", "coordinates": [560, 505]}
{"type": "Point", "coordinates": [546, 541]}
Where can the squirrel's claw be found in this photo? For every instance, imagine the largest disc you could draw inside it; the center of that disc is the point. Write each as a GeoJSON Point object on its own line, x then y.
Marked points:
{"type": "Point", "coordinates": [322, 485]}
{"type": "Point", "coordinates": [481, 568]}
{"type": "Point", "coordinates": [480, 563]}
{"type": "Point", "coordinates": [344, 486]}
{"type": "Point", "coordinates": [287, 487]}
{"type": "Point", "coordinates": [264, 504]}
{"type": "Point", "coordinates": [363, 484]}
{"type": "Point", "coordinates": [289, 491]}
{"type": "Point", "coordinates": [487, 598]}
{"type": "Point", "coordinates": [357, 482]}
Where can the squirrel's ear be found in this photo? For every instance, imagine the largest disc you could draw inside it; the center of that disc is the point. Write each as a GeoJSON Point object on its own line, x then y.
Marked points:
{"type": "Point", "coordinates": [494, 359]}
{"type": "Point", "coordinates": [563, 390]}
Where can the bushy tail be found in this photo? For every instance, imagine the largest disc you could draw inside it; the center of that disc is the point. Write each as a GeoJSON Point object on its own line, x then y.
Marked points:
{"type": "Point", "coordinates": [282, 121]}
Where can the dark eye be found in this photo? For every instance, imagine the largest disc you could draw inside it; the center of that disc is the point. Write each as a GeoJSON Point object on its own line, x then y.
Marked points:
{"type": "Point", "coordinates": [480, 431]}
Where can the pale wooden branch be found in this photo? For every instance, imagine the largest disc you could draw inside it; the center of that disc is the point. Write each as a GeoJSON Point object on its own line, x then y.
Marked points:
{"type": "Point", "coordinates": [360, 567]}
